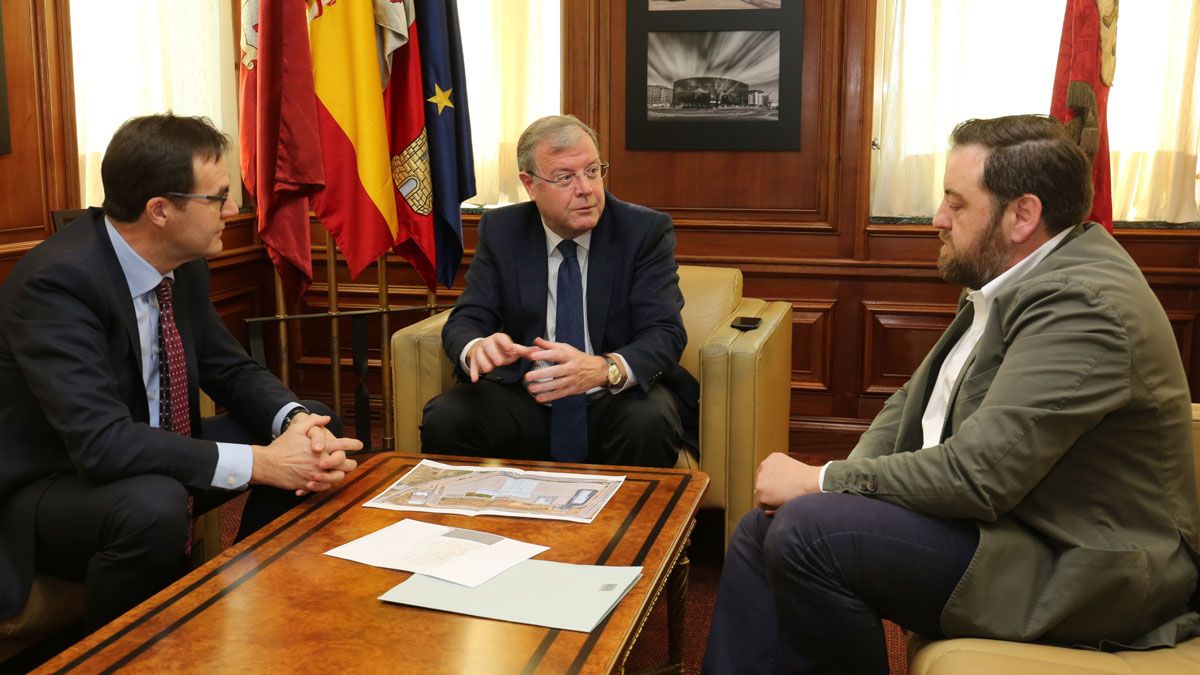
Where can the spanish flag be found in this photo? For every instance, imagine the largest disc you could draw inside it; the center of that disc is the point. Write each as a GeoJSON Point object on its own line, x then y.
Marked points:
{"type": "Point", "coordinates": [357, 206]}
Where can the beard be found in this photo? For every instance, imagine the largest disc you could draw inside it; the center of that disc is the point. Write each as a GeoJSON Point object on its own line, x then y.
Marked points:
{"type": "Point", "coordinates": [975, 266]}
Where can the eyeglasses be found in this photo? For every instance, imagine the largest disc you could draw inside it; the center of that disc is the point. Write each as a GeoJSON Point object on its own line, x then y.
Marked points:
{"type": "Point", "coordinates": [566, 180]}
{"type": "Point", "coordinates": [215, 199]}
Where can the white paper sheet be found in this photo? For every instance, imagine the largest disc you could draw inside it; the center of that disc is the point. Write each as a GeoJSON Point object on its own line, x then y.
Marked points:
{"type": "Point", "coordinates": [538, 592]}
{"type": "Point", "coordinates": [466, 557]}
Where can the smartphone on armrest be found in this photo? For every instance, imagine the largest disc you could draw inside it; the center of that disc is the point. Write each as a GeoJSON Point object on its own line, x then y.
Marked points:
{"type": "Point", "coordinates": [745, 322]}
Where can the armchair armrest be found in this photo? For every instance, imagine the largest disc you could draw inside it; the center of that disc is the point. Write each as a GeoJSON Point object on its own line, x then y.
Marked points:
{"type": "Point", "coordinates": [745, 398]}
{"type": "Point", "coordinates": [420, 371]}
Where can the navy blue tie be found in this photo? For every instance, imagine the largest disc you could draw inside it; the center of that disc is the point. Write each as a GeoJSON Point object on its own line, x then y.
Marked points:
{"type": "Point", "coordinates": [568, 416]}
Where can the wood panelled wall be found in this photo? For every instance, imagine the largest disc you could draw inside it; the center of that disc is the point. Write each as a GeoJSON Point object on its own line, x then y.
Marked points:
{"type": "Point", "coordinates": [42, 172]}
{"type": "Point", "coordinates": [868, 301]}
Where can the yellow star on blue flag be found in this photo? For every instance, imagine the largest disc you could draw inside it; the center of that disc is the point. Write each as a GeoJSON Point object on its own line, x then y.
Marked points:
{"type": "Point", "coordinates": [441, 98]}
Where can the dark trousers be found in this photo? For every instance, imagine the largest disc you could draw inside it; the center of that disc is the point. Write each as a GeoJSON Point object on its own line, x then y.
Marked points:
{"type": "Point", "coordinates": [489, 419]}
{"type": "Point", "coordinates": [126, 538]}
{"type": "Point", "coordinates": [804, 590]}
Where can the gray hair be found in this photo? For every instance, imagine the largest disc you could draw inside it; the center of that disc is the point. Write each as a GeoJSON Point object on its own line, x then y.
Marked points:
{"type": "Point", "coordinates": [560, 131]}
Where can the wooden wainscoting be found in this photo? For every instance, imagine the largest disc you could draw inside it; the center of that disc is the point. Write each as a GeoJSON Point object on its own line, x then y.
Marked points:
{"type": "Point", "coordinates": [868, 301]}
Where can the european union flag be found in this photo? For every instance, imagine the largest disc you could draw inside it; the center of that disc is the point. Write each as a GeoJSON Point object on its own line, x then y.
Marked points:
{"type": "Point", "coordinates": [451, 161]}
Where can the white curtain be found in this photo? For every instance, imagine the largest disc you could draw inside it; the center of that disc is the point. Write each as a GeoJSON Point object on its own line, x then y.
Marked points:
{"type": "Point", "coordinates": [939, 62]}
{"type": "Point", "coordinates": [1154, 112]}
{"type": "Point", "coordinates": [511, 49]}
{"type": "Point", "coordinates": [137, 57]}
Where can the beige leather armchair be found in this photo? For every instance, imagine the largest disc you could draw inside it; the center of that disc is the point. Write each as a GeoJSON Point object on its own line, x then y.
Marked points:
{"type": "Point", "coordinates": [1000, 657]}
{"type": "Point", "coordinates": [744, 382]}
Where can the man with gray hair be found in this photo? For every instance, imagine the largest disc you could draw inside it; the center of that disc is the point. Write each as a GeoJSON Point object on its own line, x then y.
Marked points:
{"type": "Point", "coordinates": [1032, 481]}
{"type": "Point", "coordinates": [567, 338]}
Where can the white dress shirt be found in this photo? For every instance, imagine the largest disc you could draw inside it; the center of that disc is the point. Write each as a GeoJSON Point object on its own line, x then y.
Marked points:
{"type": "Point", "coordinates": [933, 420]}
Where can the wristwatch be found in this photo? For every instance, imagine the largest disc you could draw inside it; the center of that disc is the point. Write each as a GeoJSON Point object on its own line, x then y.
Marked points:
{"type": "Point", "coordinates": [287, 419]}
{"type": "Point", "coordinates": [615, 376]}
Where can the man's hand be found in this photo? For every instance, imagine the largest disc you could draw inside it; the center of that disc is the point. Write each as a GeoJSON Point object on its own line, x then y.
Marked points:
{"type": "Point", "coordinates": [319, 436]}
{"type": "Point", "coordinates": [573, 372]}
{"type": "Point", "coordinates": [493, 351]}
{"type": "Point", "coordinates": [781, 478]}
{"type": "Point", "coordinates": [305, 457]}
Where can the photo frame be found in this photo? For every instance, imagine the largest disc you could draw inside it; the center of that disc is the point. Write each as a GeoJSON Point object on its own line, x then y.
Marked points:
{"type": "Point", "coordinates": [713, 79]}
{"type": "Point", "coordinates": [5, 135]}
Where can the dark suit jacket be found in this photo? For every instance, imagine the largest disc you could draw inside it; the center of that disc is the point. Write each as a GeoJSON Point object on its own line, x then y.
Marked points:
{"type": "Point", "coordinates": [72, 397]}
{"type": "Point", "coordinates": [633, 298]}
{"type": "Point", "coordinates": [1069, 441]}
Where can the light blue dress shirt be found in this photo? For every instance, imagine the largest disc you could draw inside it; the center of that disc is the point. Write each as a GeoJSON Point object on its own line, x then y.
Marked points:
{"type": "Point", "coordinates": [234, 460]}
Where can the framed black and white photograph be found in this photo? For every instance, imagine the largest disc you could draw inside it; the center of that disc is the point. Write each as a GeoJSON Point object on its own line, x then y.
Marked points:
{"type": "Point", "coordinates": [712, 76]}
{"type": "Point", "coordinates": [713, 80]}
{"type": "Point", "coordinates": [666, 5]}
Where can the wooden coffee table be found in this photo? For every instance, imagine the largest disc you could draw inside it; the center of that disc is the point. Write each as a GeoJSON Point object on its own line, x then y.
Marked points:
{"type": "Point", "coordinates": [275, 603]}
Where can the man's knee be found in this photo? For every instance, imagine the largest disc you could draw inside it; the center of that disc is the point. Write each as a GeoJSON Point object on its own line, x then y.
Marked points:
{"type": "Point", "coordinates": [750, 531]}
{"type": "Point", "coordinates": [805, 526]}
{"type": "Point", "coordinates": [446, 415]}
{"type": "Point", "coordinates": [150, 514]}
{"type": "Point", "coordinates": [654, 415]}
{"type": "Point", "coordinates": [451, 413]}
{"type": "Point", "coordinates": [638, 431]}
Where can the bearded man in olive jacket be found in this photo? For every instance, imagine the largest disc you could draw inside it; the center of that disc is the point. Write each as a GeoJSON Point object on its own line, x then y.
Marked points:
{"type": "Point", "coordinates": [1033, 481]}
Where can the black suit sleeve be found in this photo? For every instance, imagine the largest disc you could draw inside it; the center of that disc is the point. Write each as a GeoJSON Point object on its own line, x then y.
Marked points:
{"type": "Point", "coordinates": [59, 327]}
{"type": "Point", "coordinates": [656, 326]}
{"type": "Point", "coordinates": [478, 310]}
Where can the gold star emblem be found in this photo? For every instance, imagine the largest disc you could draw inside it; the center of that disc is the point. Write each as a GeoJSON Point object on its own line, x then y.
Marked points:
{"type": "Point", "coordinates": [441, 98]}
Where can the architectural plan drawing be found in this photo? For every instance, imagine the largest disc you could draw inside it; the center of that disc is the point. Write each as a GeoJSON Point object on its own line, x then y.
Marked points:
{"type": "Point", "coordinates": [474, 490]}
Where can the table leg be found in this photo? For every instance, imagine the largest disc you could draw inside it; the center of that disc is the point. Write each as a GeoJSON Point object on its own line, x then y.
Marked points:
{"type": "Point", "coordinates": [676, 595]}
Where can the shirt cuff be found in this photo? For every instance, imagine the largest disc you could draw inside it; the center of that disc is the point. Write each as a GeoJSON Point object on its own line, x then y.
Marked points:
{"type": "Point", "coordinates": [277, 423]}
{"type": "Point", "coordinates": [821, 477]}
{"type": "Point", "coordinates": [462, 358]}
{"type": "Point", "coordinates": [234, 463]}
{"type": "Point", "coordinates": [630, 378]}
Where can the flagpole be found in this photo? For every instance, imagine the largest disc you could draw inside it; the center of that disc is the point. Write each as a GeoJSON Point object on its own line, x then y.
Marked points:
{"type": "Point", "coordinates": [335, 352]}
{"type": "Point", "coordinates": [385, 360]}
{"type": "Point", "coordinates": [281, 313]}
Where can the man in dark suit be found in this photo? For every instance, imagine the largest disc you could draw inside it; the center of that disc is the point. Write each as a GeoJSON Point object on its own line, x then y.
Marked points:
{"type": "Point", "coordinates": [567, 338]}
{"type": "Point", "coordinates": [1033, 480]}
{"type": "Point", "coordinates": [107, 334]}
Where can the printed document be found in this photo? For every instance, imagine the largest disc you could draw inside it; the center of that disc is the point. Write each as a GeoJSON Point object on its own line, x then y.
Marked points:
{"type": "Point", "coordinates": [538, 592]}
{"type": "Point", "coordinates": [499, 491]}
{"type": "Point", "coordinates": [466, 557]}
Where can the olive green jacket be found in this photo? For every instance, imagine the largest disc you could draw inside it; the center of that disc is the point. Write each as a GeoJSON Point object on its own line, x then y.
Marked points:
{"type": "Point", "coordinates": [1069, 441]}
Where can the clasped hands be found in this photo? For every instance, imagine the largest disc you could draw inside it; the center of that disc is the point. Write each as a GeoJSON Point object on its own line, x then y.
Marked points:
{"type": "Point", "coordinates": [306, 457]}
{"type": "Point", "coordinates": [574, 372]}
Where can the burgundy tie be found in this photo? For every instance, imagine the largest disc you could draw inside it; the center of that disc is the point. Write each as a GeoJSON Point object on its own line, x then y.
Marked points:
{"type": "Point", "coordinates": [172, 368]}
